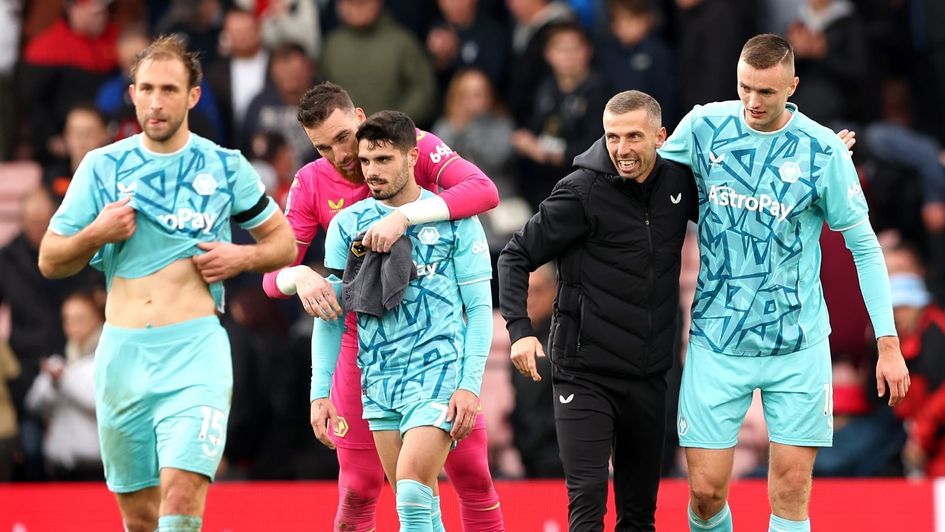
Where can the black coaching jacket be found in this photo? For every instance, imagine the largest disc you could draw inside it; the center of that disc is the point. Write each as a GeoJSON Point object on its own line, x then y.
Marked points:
{"type": "Point", "coordinates": [617, 244]}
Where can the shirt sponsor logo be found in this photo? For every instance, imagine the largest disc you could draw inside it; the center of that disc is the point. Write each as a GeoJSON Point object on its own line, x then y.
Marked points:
{"type": "Point", "coordinates": [675, 199]}
{"type": "Point", "coordinates": [189, 219]}
{"type": "Point", "coordinates": [716, 160]}
{"type": "Point", "coordinates": [336, 205]}
{"type": "Point", "coordinates": [424, 270]}
{"type": "Point", "coordinates": [724, 196]}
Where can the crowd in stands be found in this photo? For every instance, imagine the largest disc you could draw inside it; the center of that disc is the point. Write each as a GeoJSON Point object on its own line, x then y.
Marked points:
{"type": "Point", "coordinates": [515, 86]}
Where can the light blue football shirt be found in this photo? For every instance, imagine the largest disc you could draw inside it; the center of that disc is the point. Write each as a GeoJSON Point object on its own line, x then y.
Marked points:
{"type": "Point", "coordinates": [763, 199]}
{"type": "Point", "coordinates": [181, 198]}
{"type": "Point", "coordinates": [415, 350]}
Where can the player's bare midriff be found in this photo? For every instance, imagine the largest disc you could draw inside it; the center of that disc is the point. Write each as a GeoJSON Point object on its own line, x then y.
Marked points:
{"type": "Point", "coordinates": [171, 295]}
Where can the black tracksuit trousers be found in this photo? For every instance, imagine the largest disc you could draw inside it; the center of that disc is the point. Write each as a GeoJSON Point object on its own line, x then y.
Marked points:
{"type": "Point", "coordinates": [598, 417]}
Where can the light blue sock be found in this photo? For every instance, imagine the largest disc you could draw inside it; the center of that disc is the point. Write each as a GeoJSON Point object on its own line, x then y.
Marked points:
{"type": "Point", "coordinates": [179, 523]}
{"type": "Point", "coordinates": [780, 524]}
{"type": "Point", "coordinates": [436, 518]}
{"type": "Point", "coordinates": [720, 522]}
{"type": "Point", "coordinates": [414, 506]}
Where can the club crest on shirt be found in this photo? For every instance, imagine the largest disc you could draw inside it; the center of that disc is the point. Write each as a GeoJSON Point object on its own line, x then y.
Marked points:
{"type": "Point", "coordinates": [341, 429]}
{"type": "Point", "coordinates": [790, 172]}
{"type": "Point", "coordinates": [205, 184]}
{"type": "Point", "coordinates": [358, 249]}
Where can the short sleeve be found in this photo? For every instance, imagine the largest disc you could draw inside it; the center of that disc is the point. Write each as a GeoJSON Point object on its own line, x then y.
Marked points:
{"type": "Point", "coordinates": [471, 252]}
{"type": "Point", "coordinates": [251, 206]}
{"type": "Point", "coordinates": [841, 197]}
{"type": "Point", "coordinates": [84, 200]}
{"type": "Point", "coordinates": [678, 147]}
{"type": "Point", "coordinates": [337, 242]}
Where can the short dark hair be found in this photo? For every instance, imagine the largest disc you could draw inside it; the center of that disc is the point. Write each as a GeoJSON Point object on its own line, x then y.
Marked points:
{"type": "Point", "coordinates": [767, 50]}
{"type": "Point", "coordinates": [636, 7]}
{"type": "Point", "coordinates": [320, 101]}
{"type": "Point", "coordinates": [389, 127]}
{"type": "Point", "coordinates": [85, 106]}
{"type": "Point", "coordinates": [170, 47]}
{"type": "Point", "coordinates": [627, 101]}
{"type": "Point", "coordinates": [286, 50]}
{"type": "Point", "coordinates": [557, 28]}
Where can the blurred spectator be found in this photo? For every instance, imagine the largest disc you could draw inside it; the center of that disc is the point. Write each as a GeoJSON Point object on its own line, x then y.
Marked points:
{"type": "Point", "coordinates": [381, 64]}
{"type": "Point", "coordinates": [39, 15]}
{"type": "Point", "coordinates": [274, 160]}
{"type": "Point", "coordinates": [928, 56]}
{"type": "Point", "coordinates": [632, 55]}
{"type": "Point", "coordinates": [199, 22]}
{"type": "Point", "coordinates": [288, 21]}
{"type": "Point", "coordinates": [709, 40]}
{"type": "Point", "coordinates": [527, 66]}
{"type": "Point", "coordinates": [776, 15]}
{"type": "Point", "coordinates": [291, 73]}
{"type": "Point", "coordinates": [10, 21]}
{"type": "Point", "coordinates": [475, 125]}
{"type": "Point", "coordinates": [35, 304]}
{"type": "Point", "coordinates": [64, 395]}
{"type": "Point", "coordinates": [533, 418]}
{"type": "Point", "coordinates": [467, 38]}
{"type": "Point", "coordinates": [85, 130]}
{"type": "Point", "coordinates": [241, 74]}
{"type": "Point", "coordinates": [9, 443]}
{"type": "Point", "coordinates": [867, 437]}
{"type": "Point", "coordinates": [895, 143]}
{"type": "Point", "coordinates": [63, 65]}
{"type": "Point", "coordinates": [831, 57]}
{"type": "Point", "coordinates": [566, 116]}
{"type": "Point", "coordinates": [921, 326]}
{"type": "Point", "coordinates": [115, 103]}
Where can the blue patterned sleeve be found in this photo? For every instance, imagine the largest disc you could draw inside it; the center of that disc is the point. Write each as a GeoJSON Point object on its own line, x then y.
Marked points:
{"type": "Point", "coordinates": [471, 253]}
{"type": "Point", "coordinates": [841, 198]}
{"type": "Point", "coordinates": [251, 206]}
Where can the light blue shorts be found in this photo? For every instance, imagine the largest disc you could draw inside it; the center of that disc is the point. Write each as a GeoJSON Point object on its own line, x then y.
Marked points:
{"type": "Point", "coordinates": [796, 393]}
{"type": "Point", "coordinates": [162, 399]}
{"type": "Point", "coordinates": [417, 414]}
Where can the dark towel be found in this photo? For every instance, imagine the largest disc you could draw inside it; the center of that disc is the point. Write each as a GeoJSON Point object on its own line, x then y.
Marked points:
{"type": "Point", "coordinates": [375, 282]}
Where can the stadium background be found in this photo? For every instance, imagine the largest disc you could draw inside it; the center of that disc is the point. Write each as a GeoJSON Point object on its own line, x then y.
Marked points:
{"type": "Point", "coordinates": [876, 66]}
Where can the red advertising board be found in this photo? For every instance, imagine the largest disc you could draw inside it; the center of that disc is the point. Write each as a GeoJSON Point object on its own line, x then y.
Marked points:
{"type": "Point", "coordinates": [529, 506]}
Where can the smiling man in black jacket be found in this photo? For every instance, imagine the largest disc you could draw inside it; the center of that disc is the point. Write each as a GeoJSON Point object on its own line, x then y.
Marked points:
{"type": "Point", "coordinates": [615, 226]}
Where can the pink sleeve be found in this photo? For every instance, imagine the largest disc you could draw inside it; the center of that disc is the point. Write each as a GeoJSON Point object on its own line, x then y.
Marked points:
{"type": "Point", "coordinates": [302, 219]}
{"type": "Point", "coordinates": [467, 191]}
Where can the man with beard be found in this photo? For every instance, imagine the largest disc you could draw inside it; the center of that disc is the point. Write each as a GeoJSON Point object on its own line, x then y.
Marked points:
{"type": "Point", "coordinates": [423, 352]}
{"type": "Point", "coordinates": [153, 212]}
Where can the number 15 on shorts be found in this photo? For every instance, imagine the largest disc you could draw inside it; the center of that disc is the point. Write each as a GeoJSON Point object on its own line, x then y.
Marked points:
{"type": "Point", "coordinates": [211, 430]}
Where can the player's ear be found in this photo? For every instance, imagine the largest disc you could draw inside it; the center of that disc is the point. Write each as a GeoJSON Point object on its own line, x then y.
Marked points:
{"type": "Point", "coordinates": [793, 86]}
{"type": "Point", "coordinates": [413, 154]}
{"type": "Point", "coordinates": [359, 114]}
{"type": "Point", "coordinates": [193, 97]}
{"type": "Point", "coordinates": [660, 136]}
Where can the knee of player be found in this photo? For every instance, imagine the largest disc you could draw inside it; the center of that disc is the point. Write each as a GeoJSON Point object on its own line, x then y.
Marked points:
{"type": "Point", "coordinates": [792, 483]}
{"type": "Point", "coordinates": [706, 493]}
{"type": "Point", "coordinates": [179, 499]}
{"type": "Point", "coordinates": [361, 491]}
